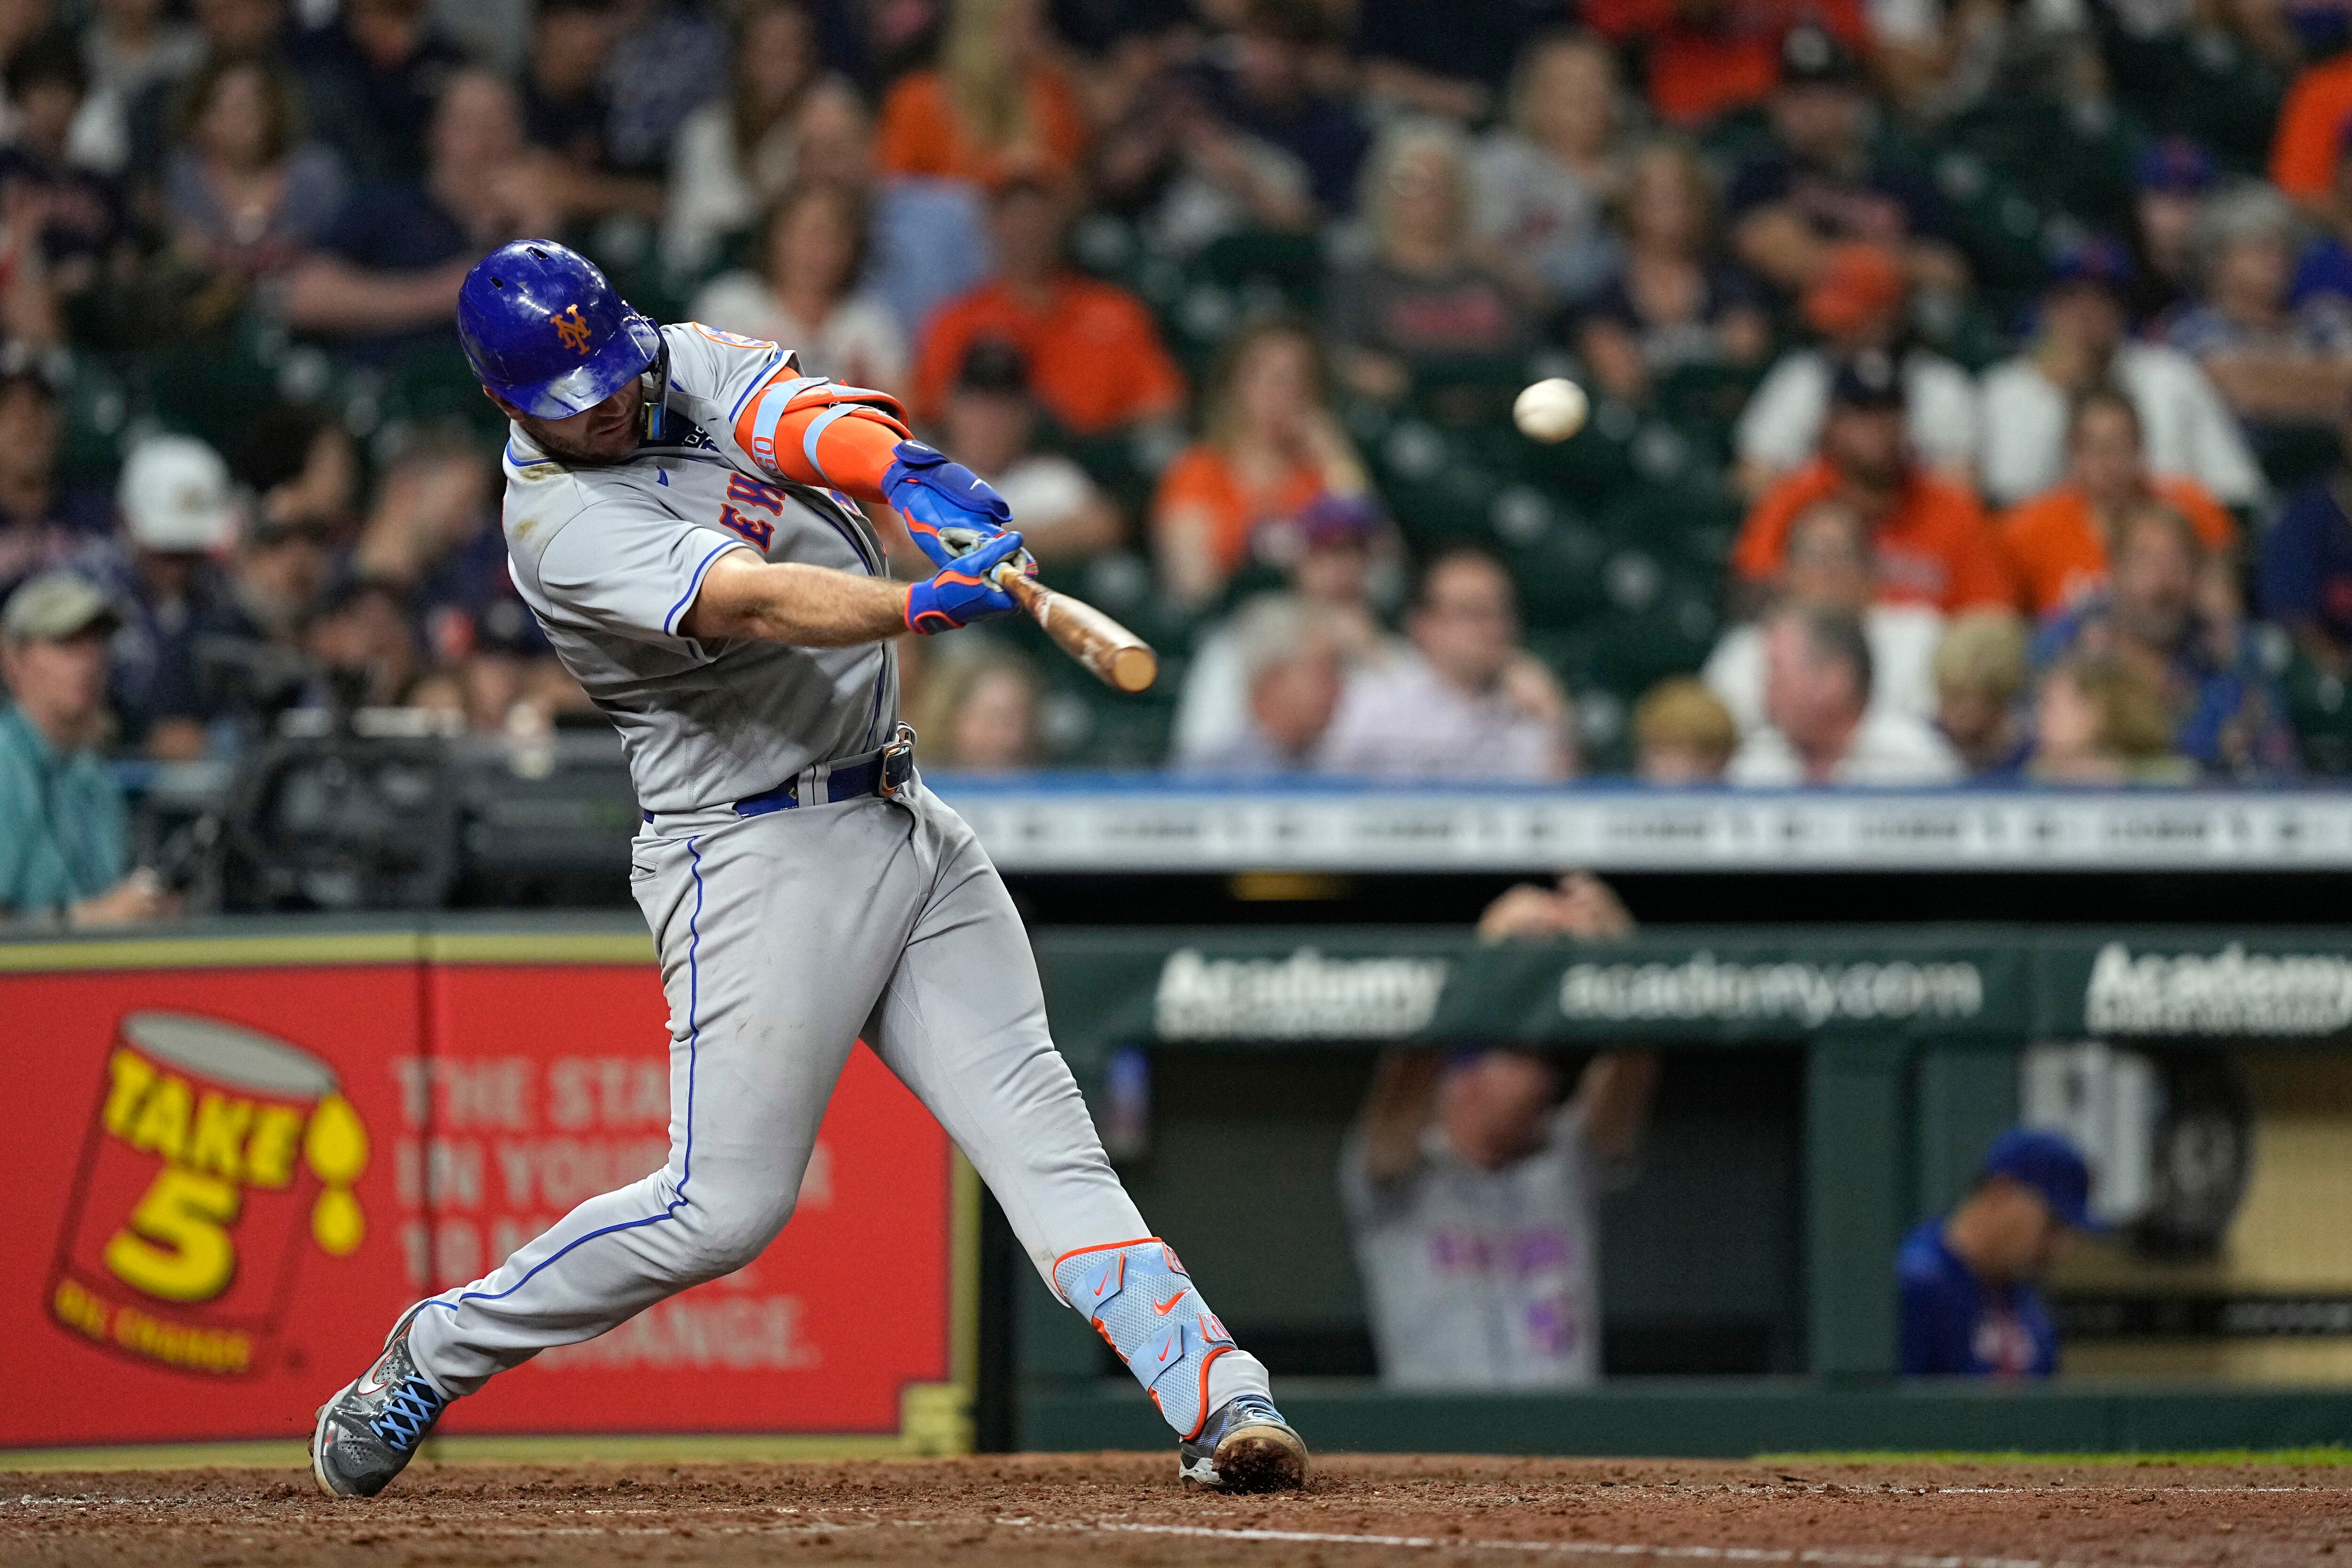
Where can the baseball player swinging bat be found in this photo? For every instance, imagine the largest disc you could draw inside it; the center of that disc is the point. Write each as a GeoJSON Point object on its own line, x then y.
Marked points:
{"type": "Point", "coordinates": [682, 516]}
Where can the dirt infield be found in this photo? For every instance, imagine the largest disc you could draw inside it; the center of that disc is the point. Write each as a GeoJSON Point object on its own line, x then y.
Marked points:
{"type": "Point", "coordinates": [1098, 1510]}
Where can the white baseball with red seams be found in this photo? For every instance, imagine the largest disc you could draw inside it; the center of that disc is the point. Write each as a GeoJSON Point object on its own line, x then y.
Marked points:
{"type": "Point", "coordinates": [785, 935]}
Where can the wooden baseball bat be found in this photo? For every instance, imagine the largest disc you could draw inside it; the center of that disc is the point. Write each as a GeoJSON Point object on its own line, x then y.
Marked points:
{"type": "Point", "coordinates": [1119, 658]}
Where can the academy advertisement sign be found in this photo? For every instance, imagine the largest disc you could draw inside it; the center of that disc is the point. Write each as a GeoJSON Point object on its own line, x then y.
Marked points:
{"type": "Point", "coordinates": [1808, 995]}
{"type": "Point", "coordinates": [2230, 992]}
{"type": "Point", "coordinates": [1304, 996]}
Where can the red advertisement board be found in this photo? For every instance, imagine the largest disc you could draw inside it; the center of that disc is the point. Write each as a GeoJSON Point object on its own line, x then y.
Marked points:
{"type": "Point", "coordinates": [230, 1177]}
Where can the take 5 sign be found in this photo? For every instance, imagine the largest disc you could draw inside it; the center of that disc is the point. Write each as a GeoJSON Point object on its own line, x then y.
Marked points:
{"type": "Point", "coordinates": [236, 1159]}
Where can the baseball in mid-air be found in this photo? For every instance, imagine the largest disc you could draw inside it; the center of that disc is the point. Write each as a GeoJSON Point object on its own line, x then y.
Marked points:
{"type": "Point", "coordinates": [1551, 409]}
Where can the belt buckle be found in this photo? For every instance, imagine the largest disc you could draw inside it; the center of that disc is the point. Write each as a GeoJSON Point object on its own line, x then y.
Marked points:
{"type": "Point", "coordinates": [897, 764]}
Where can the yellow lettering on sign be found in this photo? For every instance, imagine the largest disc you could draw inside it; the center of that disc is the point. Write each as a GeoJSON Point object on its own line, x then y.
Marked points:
{"type": "Point", "coordinates": [269, 1152]}
{"type": "Point", "coordinates": [129, 1076]}
{"type": "Point", "coordinates": [219, 1136]}
{"type": "Point", "coordinates": [177, 1246]}
{"type": "Point", "coordinates": [76, 1308]}
{"type": "Point", "coordinates": [162, 1126]}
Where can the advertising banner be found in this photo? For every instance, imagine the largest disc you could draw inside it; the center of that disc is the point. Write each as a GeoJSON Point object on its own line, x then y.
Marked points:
{"type": "Point", "coordinates": [231, 1175]}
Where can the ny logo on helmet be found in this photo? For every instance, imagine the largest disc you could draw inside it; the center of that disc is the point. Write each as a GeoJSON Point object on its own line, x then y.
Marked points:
{"type": "Point", "coordinates": [572, 328]}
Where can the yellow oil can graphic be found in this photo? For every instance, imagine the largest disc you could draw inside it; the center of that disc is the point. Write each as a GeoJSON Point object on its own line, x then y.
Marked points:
{"type": "Point", "coordinates": [215, 1158]}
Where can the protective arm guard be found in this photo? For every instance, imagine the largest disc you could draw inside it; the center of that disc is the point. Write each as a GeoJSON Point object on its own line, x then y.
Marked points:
{"type": "Point", "coordinates": [822, 434]}
{"type": "Point", "coordinates": [1141, 1299]}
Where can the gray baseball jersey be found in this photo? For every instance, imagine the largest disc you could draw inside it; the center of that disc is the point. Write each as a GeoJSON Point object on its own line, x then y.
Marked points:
{"type": "Point", "coordinates": [787, 935]}
{"type": "Point", "coordinates": [610, 558]}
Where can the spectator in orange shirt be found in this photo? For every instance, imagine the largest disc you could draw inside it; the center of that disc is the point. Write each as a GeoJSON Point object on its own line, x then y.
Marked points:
{"type": "Point", "coordinates": [1928, 539]}
{"type": "Point", "coordinates": [1096, 362]}
{"type": "Point", "coordinates": [2311, 128]}
{"type": "Point", "coordinates": [1708, 57]}
{"type": "Point", "coordinates": [994, 106]}
{"type": "Point", "coordinates": [2058, 541]}
{"type": "Point", "coordinates": [1269, 446]}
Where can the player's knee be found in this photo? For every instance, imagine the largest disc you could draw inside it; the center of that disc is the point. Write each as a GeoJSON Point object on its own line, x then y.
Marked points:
{"type": "Point", "coordinates": [728, 1235]}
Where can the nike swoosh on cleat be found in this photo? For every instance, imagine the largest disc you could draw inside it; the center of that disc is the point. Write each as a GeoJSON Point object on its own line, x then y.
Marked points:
{"type": "Point", "coordinates": [1163, 1308]}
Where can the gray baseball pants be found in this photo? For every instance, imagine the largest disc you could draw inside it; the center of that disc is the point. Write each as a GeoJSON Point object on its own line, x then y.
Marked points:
{"type": "Point", "coordinates": [785, 938]}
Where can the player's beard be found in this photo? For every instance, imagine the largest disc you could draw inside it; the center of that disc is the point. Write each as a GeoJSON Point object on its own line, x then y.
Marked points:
{"type": "Point", "coordinates": [594, 438]}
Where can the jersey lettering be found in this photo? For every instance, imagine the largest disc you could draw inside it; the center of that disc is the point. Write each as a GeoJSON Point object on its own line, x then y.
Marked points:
{"type": "Point", "coordinates": [750, 492]}
{"type": "Point", "coordinates": [759, 530]}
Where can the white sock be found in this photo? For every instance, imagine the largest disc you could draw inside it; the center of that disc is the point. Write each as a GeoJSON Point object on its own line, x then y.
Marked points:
{"type": "Point", "coordinates": [1236, 1372]}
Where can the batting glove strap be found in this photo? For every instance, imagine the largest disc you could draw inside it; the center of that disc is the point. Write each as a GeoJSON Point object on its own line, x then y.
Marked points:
{"type": "Point", "coordinates": [934, 494]}
{"type": "Point", "coordinates": [1143, 1303]}
{"type": "Point", "coordinates": [962, 592]}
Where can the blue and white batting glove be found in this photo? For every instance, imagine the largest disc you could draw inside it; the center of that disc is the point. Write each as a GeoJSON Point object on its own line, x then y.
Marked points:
{"type": "Point", "coordinates": [932, 493]}
{"type": "Point", "coordinates": [963, 591]}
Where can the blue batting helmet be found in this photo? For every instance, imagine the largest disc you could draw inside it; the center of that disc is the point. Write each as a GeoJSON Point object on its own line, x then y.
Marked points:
{"type": "Point", "coordinates": [546, 330]}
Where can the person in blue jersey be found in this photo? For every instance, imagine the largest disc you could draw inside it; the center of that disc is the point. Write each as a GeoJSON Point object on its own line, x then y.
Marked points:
{"type": "Point", "coordinates": [1971, 1305]}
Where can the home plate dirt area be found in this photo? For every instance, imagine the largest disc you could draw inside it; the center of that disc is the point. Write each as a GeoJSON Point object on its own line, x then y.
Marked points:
{"type": "Point", "coordinates": [1120, 1508]}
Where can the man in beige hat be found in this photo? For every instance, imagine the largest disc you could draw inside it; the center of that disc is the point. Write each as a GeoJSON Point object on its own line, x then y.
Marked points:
{"type": "Point", "coordinates": [65, 833]}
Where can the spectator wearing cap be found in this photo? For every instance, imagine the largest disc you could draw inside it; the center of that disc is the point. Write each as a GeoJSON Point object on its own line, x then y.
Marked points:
{"type": "Point", "coordinates": [1270, 444]}
{"type": "Point", "coordinates": [1820, 723]}
{"type": "Point", "coordinates": [1928, 541]}
{"type": "Point", "coordinates": [1968, 1280]}
{"type": "Point", "coordinates": [2057, 541]}
{"type": "Point", "coordinates": [2079, 345]}
{"type": "Point", "coordinates": [1473, 1182]}
{"type": "Point", "coordinates": [1857, 303]}
{"type": "Point", "coordinates": [1818, 181]}
{"type": "Point", "coordinates": [2154, 620]}
{"type": "Point", "coordinates": [1683, 734]}
{"type": "Point", "coordinates": [43, 521]}
{"type": "Point", "coordinates": [1827, 567]}
{"type": "Point", "coordinates": [1096, 360]}
{"type": "Point", "coordinates": [65, 833]}
{"type": "Point", "coordinates": [1425, 293]}
{"type": "Point", "coordinates": [1673, 301]}
{"type": "Point", "coordinates": [1541, 183]}
{"type": "Point", "coordinates": [2277, 365]}
{"type": "Point", "coordinates": [992, 108]}
{"type": "Point", "coordinates": [1710, 59]}
{"type": "Point", "coordinates": [1330, 553]}
{"type": "Point", "coordinates": [1467, 702]}
{"type": "Point", "coordinates": [804, 291]}
{"type": "Point", "coordinates": [990, 424]}
{"type": "Point", "coordinates": [1288, 657]}
{"type": "Point", "coordinates": [179, 516]}
{"type": "Point", "coordinates": [2168, 185]}
{"type": "Point", "coordinates": [2310, 130]}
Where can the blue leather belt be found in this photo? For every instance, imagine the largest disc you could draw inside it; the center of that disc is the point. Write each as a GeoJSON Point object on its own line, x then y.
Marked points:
{"type": "Point", "coordinates": [885, 773]}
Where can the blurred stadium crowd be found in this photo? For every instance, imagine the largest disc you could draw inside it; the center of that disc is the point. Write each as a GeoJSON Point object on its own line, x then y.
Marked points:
{"type": "Point", "coordinates": [1968, 375]}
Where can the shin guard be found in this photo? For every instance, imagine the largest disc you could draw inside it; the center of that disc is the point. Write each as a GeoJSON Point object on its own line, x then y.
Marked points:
{"type": "Point", "coordinates": [1139, 1299]}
